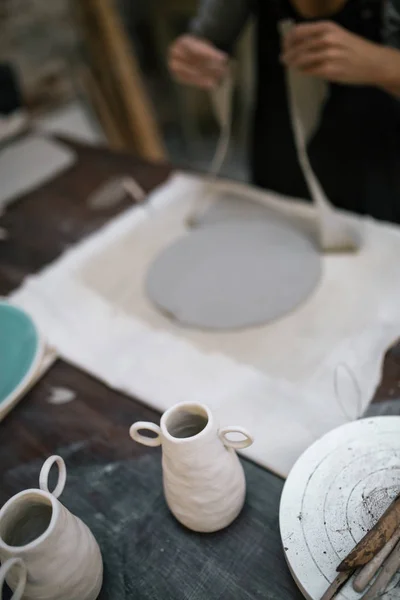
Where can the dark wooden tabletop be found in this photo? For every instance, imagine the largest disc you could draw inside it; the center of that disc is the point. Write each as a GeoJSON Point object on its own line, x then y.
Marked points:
{"type": "Point", "coordinates": [40, 227]}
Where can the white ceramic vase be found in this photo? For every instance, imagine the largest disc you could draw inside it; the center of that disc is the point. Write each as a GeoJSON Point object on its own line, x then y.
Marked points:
{"type": "Point", "coordinates": [46, 552]}
{"type": "Point", "coordinates": [204, 482]}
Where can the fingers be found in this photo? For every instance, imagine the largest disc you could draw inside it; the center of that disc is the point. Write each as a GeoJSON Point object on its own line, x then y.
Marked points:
{"type": "Point", "coordinates": [328, 51]}
{"type": "Point", "coordinates": [195, 62]}
{"type": "Point", "coordinates": [198, 51]}
{"type": "Point", "coordinates": [312, 50]}
{"type": "Point", "coordinates": [326, 70]}
{"type": "Point", "coordinates": [325, 31]}
{"type": "Point", "coordinates": [310, 47]}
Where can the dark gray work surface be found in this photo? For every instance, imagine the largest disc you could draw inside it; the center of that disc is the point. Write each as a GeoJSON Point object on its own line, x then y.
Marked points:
{"type": "Point", "coordinates": [147, 554]}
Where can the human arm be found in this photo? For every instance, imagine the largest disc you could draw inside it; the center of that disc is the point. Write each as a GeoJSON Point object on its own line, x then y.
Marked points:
{"type": "Point", "coordinates": [329, 51]}
{"type": "Point", "coordinates": [201, 57]}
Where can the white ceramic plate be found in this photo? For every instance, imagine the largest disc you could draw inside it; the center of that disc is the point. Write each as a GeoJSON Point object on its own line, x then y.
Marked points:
{"type": "Point", "coordinates": [334, 494]}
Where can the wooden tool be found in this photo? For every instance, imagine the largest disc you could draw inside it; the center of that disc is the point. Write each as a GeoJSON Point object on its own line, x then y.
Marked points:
{"type": "Point", "coordinates": [337, 585]}
{"type": "Point", "coordinates": [366, 574]}
{"type": "Point", "coordinates": [379, 548]}
{"type": "Point", "coordinates": [389, 569]}
{"type": "Point", "coordinates": [374, 540]}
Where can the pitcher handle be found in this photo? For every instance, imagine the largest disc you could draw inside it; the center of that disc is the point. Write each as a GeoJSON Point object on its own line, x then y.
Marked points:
{"type": "Point", "coordinates": [144, 439]}
{"type": "Point", "coordinates": [44, 476]}
{"type": "Point", "coordinates": [239, 444]}
{"type": "Point", "coordinates": [5, 568]}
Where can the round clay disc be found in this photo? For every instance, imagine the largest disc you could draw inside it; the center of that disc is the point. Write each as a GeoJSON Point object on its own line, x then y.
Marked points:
{"type": "Point", "coordinates": [234, 275]}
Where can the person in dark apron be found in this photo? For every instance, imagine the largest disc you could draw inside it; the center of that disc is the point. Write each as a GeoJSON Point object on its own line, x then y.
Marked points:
{"type": "Point", "coordinates": [356, 151]}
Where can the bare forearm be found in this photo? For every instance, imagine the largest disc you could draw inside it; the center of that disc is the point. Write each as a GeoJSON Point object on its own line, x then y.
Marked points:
{"type": "Point", "coordinates": [329, 51]}
{"type": "Point", "coordinates": [388, 75]}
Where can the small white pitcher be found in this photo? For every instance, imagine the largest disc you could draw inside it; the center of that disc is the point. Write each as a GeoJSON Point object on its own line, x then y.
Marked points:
{"type": "Point", "coordinates": [47, 552]}
{"type": "Point", "coordinates": [204, 483]}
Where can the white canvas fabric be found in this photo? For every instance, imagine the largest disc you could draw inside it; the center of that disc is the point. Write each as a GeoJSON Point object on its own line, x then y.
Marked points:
{"type": "Point", "coordinates": [277, 380]}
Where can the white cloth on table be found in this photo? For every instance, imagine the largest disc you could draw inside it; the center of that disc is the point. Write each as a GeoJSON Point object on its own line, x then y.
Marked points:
{"type": "Point", "coordinates": [277, 380]}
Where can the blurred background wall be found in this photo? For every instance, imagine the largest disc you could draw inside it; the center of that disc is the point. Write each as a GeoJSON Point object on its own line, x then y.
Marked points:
{"type": "Point", "coordinates": [70, 66]}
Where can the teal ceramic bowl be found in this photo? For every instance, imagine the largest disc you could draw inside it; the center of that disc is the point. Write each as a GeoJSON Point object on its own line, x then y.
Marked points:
{"type": "Point", "coordinates": [21, 353]}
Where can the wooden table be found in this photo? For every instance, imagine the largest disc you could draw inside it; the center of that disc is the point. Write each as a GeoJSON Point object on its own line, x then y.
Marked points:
{"type": "Point", "coordinates": [41, 226]}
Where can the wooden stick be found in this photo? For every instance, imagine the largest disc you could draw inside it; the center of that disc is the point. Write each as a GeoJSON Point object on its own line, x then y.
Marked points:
{"type": "Point", "coordinates": [140, 119]}
{"type": "Point", "coordinates": [102, 73]}
{"type": "Point", "coordinates": [375, 539]}
{"type": "Point", "coordinates": [387, 573]}
{"type": "Point", "coordinates": [337, 585]}
{"type": "Point", "coordinates": [366, 575]}
{"type": "Point", "coordinates": [100, 106]}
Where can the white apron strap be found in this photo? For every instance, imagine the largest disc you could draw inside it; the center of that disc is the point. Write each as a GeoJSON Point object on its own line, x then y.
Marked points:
{"type": "Point", "coordinates": [221, 99]}
{"type": "Point", "coordinates": [307, 96]}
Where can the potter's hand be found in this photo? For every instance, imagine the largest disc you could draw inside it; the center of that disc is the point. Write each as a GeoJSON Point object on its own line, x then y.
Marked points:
{"type": "Point", "coordinates": [328, 51]}
{"type": "Point", "coordinates": [197, 62]}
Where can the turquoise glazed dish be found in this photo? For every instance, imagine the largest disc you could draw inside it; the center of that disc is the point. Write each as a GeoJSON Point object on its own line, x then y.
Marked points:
{"type": "Point", "coordinates": [21, 352]}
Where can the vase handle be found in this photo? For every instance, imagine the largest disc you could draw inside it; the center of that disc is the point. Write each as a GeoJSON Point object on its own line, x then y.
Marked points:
{"type": "Point", "coordinates": [145, 439]}
{"type": "Point", "coordinates": [239, 444]}
{"type": "Point", "coordinates": [44, 476]}
{"type": "Point", "coordinates": [5, 568]}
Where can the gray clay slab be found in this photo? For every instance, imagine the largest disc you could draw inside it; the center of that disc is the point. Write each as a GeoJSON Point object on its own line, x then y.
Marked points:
{"type": "Point", "coordinates": [232, 207]}
{"type": "Point", "coordinates": [234, 275]}
{"type": "Point", "coordinates": [228, 206]}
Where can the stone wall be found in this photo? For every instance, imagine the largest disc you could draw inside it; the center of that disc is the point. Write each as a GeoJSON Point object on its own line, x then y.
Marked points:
{"type": "Point", "coordinates": [39, 38]}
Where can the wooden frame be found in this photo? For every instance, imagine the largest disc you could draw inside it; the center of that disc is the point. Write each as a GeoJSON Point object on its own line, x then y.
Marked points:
{"type": "Point", "coordinates": [114, 82]}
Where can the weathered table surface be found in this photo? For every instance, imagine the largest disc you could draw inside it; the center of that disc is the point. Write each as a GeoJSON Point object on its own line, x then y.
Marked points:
{"type": "Point", "coordinates": [41, 226]}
